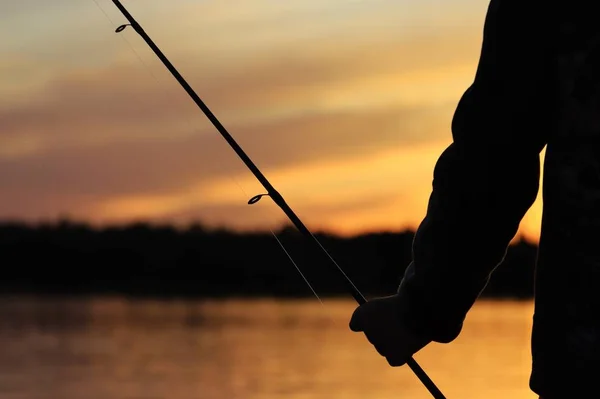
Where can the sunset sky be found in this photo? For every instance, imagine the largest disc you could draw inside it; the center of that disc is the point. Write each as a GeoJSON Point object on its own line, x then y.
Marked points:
{"type": "Point", "coordinates": [345, 106]}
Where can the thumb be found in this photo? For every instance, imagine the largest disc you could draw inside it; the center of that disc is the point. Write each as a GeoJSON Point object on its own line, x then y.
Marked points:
{"type": "Point", "coordinates": [356, 320]}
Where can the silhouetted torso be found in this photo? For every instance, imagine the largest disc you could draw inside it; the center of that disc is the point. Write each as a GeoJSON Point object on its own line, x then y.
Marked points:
{"type": "Point", "coordinates": [566, 338]}
{"type": "Point", "coordinates": [537, 84]}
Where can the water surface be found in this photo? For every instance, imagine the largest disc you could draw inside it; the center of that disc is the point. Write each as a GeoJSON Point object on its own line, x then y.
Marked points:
{"type": "Point", "coordinates": [102, 348]}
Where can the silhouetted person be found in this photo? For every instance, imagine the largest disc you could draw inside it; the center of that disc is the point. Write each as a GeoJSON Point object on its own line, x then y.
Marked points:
{"type": "Point", "coordinates": [536, 84]}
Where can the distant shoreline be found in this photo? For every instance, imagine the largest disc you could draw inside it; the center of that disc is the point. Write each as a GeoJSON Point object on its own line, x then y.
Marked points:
{"type": "Point", "coordinates": [146, 261]}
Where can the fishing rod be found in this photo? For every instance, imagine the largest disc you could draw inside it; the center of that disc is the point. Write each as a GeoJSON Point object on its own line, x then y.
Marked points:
{"type": "Point", "coordinates": [271, 192]}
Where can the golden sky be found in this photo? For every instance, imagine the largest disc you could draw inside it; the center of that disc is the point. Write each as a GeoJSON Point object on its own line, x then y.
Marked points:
{"type": "Point", "coordinates": [345, 106]}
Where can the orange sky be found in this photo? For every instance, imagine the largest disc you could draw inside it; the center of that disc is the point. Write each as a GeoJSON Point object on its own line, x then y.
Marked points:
{"type": "Point", "coordinates": [344, 105]}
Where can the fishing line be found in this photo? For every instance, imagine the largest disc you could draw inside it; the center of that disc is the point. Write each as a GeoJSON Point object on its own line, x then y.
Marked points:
{"type": "Point", "coordinates": [296, 266]}
{"type": "Point", "coordinates": [193, 128]}
{"type": "Point", "coordinates": [287, 253]}
{"type": "Point", "coordinates": [139, 57]}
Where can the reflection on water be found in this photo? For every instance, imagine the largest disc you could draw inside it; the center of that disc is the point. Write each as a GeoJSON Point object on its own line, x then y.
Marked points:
{"type": "Point", "coordinates": [114, 348]}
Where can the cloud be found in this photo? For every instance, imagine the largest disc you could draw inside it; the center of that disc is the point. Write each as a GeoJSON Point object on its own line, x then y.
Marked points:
{"type": "Point", "coordinates": [106, 140]}
{"type": "Point", "coordinates": [165, 165]}
{"type": "Point", "coordinates": [343, 193]}
{"type": "Point", "coordinates": [123, 102]}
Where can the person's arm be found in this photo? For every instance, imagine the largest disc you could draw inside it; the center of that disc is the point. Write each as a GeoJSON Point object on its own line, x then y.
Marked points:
{"type": "Point", "coordinates": [483, 185]}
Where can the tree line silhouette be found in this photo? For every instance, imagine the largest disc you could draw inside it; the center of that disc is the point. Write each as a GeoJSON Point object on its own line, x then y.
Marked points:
{"type": "Point", "coordinates": [163, 261]}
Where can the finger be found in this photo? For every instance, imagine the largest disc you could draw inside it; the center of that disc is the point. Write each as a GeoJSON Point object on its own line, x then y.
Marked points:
{"type": "Point", "coordinates": [356, 320]}
{"type": "Point", "coordinates": [381, 350]}
{"type": "Point", "coordinates": [396, 361]}
{"type": "Point", "coordinates": [380, 346]}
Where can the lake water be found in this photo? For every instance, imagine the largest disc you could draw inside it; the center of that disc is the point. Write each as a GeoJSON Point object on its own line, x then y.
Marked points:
{"type": "Point", "coordinates": [111, 348]}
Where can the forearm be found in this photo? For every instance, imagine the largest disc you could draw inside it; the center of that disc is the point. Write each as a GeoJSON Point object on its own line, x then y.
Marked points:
{"type": "Point", "coordinates": [480, 194]}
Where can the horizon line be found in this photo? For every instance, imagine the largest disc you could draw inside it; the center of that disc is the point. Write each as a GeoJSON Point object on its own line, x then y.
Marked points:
{"type": "Point", "coordinates": [284, 227]}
